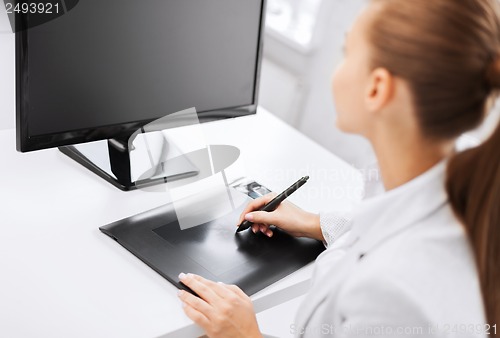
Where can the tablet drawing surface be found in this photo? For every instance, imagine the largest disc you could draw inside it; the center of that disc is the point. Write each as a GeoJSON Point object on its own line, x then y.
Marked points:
{"type": "Point", "coordinates": [212, 249]}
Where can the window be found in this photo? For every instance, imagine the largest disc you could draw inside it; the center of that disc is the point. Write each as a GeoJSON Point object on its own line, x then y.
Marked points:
{"type": "Point", "coordinates": [294, 19]}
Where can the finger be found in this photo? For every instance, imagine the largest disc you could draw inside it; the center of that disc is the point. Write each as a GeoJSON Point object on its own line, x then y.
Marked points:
{"type": "Point", "coordinates": [256, 204]}
{"type": "Point", "coordinates": [196, 303]}
{"type": "Point", "coordinates": [216, 288]}
{"type": "Point", "coordinates": [237, 291]}
{"type": "Point", "coordinates": [202, 289]}
{"type": "Point", "coordinates": [262, 227]}
{"type": "Point", "coordinates": [196, 316]}
{"type": "Point", "coordinates": [262, 217]}
{"type": "Point", "coordinates": [255, 228]}
{"type": "Point", "coordinates": [266, 230]}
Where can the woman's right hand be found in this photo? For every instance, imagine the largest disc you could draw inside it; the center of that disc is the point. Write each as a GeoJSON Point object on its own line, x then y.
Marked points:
{"type": "Point", "coordinates": [287, 217]}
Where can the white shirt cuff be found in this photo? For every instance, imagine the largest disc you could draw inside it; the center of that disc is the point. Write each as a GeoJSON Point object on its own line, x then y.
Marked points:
{"type": "Point", "coordinates": [334, 224]}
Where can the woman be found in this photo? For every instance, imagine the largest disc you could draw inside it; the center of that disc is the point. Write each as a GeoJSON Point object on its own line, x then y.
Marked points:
{"type": "Point", "coordinates": [422, 259]}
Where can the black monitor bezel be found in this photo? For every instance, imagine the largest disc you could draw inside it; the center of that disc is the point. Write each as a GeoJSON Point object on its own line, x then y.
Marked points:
{"type": "Point", "coordinates": [26, 143]}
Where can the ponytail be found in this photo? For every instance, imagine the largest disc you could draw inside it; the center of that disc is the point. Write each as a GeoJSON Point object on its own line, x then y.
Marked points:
{"type": "Point", "coordinates": [473, 186]}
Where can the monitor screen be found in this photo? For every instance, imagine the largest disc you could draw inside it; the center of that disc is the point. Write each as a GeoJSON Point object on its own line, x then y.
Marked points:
{"type": "Point", "coordinates": [106, 67]}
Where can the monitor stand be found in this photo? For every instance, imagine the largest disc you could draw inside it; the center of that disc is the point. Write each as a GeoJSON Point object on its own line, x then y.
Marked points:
{"type": "Point", "coordinates": [112, 161]}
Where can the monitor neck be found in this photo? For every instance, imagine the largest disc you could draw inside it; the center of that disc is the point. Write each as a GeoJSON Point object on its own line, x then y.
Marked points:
{"type": "Point", "coordinates": [119, 159]}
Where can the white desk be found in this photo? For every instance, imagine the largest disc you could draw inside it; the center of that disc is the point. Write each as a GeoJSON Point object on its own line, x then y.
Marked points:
{"type": "Point", "coordinates": [61, 277]}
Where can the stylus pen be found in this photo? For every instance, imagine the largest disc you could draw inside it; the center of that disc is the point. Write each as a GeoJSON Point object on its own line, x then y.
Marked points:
{"type": "Point", "coordinates": [273, 204]}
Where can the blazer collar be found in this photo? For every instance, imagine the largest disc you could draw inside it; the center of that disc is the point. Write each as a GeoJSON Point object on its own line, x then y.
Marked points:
{"type": "Point", "coordinates": [394, 211]}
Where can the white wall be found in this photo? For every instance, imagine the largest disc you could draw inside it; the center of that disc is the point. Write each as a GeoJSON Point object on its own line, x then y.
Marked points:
{"type": "Point", "coordinates": [281, 92]}
{"type": "Point", "coordinates": [310, 107]}
{"type": "Point", "coordinates": [318, 117]}
{"type": "Point", "coordinates": [7, 73]}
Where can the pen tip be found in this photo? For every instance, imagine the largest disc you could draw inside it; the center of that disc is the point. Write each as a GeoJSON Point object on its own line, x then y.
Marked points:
{"type": "Point", "coordinates": [306, 178]}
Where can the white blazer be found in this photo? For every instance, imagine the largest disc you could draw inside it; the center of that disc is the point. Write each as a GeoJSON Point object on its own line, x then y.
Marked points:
{"type": "Point", "coordinates": [404, 269]}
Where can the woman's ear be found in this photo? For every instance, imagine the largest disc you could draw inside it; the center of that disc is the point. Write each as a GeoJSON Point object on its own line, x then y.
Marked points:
{"type": "Point", "coordinates": [379, 90]}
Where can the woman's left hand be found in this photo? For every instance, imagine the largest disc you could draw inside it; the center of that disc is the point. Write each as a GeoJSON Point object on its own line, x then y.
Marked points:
{"type": "Point", "coordinates": [222, 311]}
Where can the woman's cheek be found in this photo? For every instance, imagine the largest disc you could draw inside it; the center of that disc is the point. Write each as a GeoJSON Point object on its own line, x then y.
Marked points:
{"type": "Point", "coordinates": [339, 88]}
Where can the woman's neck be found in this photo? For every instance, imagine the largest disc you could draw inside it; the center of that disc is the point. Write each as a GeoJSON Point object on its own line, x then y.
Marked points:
{"type": "Point", "coordinates": [403, 158]}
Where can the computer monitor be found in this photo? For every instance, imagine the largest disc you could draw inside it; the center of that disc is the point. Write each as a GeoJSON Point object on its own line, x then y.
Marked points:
{"type": "Point", "coordinates": [103, 69]}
